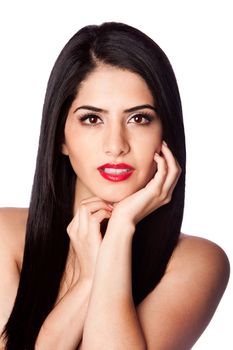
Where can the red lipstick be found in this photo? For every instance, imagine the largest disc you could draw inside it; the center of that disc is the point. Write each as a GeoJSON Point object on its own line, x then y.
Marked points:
{"type": "Point", "coordinates": [116, 172]}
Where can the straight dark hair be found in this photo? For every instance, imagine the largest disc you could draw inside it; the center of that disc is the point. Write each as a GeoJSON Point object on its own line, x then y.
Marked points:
{"type": "Point", "coordinates": [52, 198]}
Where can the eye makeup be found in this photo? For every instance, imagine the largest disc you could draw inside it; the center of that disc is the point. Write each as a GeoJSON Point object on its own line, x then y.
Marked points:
{"type": "Point", "coordinates": [142, 118]}
{"type": "Point", "coordinates": [90, 119]}
{"type": "Point", "coordinates": [139, 118]}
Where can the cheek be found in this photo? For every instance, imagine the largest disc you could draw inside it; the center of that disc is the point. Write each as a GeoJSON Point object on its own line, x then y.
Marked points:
{"type": "Point", "coordinates": [149, 145]}
{"type": "Point", "coordinates": [76, 157]}
{"type": "Point", "coordinates": [147, 150]}
{"type": "Point", "coordinates": [77, 147]}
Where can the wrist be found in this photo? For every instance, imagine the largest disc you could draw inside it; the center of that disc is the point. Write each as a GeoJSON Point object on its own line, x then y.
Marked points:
{"type": "Point", "coordinates": [117, 225]}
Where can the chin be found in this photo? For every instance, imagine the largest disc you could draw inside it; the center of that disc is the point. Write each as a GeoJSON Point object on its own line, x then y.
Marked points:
{"type": "Point", "coordinates": [113, 198]}
{"type": "Point", "coordinates": [115, 195]}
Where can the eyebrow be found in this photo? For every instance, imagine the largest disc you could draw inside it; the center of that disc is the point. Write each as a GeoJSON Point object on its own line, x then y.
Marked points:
{"type": "Point", "coordinates": [100, 110]}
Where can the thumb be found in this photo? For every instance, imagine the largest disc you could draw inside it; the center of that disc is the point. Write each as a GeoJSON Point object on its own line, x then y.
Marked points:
{"type": "Point", "coordinates": [98, 222]}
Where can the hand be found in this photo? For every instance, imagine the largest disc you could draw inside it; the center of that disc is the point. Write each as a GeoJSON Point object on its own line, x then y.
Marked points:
{"type": "Point", "coordinates": [84, 233]}
{"type": "Point", "coordinates": [156, 193]}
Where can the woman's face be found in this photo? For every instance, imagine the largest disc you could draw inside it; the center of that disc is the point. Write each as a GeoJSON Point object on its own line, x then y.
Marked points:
{"type": "Point", "coordinates": [111, 134]}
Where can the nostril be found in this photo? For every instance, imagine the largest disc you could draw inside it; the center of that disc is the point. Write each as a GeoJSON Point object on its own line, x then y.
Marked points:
{"type": "Point", "coordinates": [116, 145]}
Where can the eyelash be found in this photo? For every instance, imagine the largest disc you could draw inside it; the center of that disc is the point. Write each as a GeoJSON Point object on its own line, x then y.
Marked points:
{"type": "Point", "coordinates": [145, 116]}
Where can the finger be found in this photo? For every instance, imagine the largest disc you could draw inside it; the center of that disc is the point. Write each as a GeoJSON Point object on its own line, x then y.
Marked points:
{"type": "Point", "coordinates": [95, 199]}
{"type": "Point", "coordinates": [95, 229]}
{"type": "Point", "coordinates": [74, 223]}
{"type": "Point", "coordinates": [91, 199]}
{"type": "Point", "coordinates": [91, 228]}
{"type": "Point", "coordinates": [174, 170]}
{"type": "Point", "coordinates": [94, 206]}
{"type": "Point", "coordinates": [161, 173]}
{"type": "Point", "coordinates": [90, 208]}
{"type": "Point", "coordinates": [89, 225]}
{"type": "Point", "coordinates": [79, 222]}
{"type": "Point", "coordinates": [100, 215]}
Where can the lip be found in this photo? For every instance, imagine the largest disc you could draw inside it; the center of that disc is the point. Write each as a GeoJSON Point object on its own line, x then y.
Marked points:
{"type": "Point", "coordinates": [116, 177]}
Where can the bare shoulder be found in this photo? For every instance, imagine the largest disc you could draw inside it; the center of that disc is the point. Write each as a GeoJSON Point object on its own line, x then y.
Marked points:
{"type": "Point", "coordinates": [13, 216]}
{"type": "Point", "coordinates": [185, 300]}
{"type": "Point", "coordinates": [12, 237]}
{"type": "Point", "coordinates": [199, 250]}
{"type": "Point", "coordinates": [12, 231]}
{"type": "Point", "coordinates": [202, 256]}
{"type": "Point", "coordinates": [203, 268]}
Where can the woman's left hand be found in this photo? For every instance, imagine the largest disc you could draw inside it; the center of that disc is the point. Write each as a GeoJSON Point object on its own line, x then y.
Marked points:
{"type": "Point", "coordinates": [156, 193]}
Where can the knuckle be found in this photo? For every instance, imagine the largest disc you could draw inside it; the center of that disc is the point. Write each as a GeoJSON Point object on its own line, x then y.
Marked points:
{"type": "Point", "coordinates": [165, 198]}
{"type": "Point", "coordinates": [178, 167]}
{"type": "Point", "coordinates": [178, 170]}
{"type": "Point", "coordinates": [69, 229]}
{"type": "Point", "coordinates": [168, 199]}
{"type": "Point", "coordinates": [71, 235]}
{"type": "Point", "coordinates": [176, 174]}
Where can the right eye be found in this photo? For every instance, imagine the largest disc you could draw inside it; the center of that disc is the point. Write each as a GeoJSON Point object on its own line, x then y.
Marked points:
{"type": "Point", "coordinates": [91, 119]}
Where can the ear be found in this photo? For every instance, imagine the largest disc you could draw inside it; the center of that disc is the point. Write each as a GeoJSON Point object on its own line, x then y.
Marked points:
{"type": "Point", "coordinates": [64, 149]}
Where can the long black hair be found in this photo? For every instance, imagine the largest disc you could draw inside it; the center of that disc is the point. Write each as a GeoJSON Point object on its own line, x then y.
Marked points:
{"type": "Point", "coordinates": [52, 197]}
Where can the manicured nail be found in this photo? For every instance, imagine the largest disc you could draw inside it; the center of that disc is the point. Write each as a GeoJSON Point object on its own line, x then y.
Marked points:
{"type": "Point", "coordinates": [165, 143]}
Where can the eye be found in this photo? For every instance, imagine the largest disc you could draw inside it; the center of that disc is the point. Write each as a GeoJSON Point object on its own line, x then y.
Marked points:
{"type": "Point", "coordinates": [91, 119]}
{"type": "Point", "coordinates": [141, 118]}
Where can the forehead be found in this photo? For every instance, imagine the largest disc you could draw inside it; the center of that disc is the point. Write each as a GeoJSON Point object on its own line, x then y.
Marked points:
{"type": "Point", "coordinates": [111, 84]}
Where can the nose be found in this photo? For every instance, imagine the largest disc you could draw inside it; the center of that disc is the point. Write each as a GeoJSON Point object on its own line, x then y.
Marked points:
{"type": "Point", "coordinates": [116, 142]}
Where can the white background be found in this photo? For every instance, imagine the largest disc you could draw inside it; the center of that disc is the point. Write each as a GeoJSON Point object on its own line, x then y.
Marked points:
{"type": "Point", "coordinates": [197, 37]}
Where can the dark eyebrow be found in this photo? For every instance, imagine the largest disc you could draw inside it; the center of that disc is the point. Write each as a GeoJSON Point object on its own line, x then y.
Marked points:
{"type": "Point", "coordinates": [133, 109]}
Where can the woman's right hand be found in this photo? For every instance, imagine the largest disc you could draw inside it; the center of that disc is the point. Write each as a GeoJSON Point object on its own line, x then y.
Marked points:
{"type": "Point", "coordinates": [85, 235]}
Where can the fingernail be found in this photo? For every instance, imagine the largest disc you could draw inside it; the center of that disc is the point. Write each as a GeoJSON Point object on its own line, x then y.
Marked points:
{"type": "Point", "coordinates": [165, 143]}
{"type": "Point", "coordinates": [110, 206]}
{"type": "Point", "coordinates": [156, 155]}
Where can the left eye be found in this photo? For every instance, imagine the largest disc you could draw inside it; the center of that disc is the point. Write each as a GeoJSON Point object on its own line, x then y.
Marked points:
{"type": "Point", "coordinates": [140, 119]}
{"type": "Point", "coordinates": [90, 119]}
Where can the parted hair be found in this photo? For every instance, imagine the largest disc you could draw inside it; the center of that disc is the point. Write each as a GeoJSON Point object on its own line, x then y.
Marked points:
{"type": "Point", "coordinates": [52, 196]}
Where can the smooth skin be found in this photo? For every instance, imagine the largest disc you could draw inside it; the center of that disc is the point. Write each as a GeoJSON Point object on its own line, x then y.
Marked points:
{"type": "Point", "coordinates": [94, 308]}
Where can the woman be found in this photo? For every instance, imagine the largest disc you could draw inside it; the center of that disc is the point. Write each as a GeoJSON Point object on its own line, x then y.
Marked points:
{"type": "Point", "coordinates": [103, 264]}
